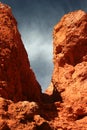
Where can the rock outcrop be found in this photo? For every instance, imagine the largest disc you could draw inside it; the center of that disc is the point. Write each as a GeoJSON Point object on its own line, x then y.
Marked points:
{"type": "Point", "coordinates": [25, 115]}
{"type": "Point", "coordinates": [17, 80]}
{"type": "Point", "coordinates": [64, 104]}
{"type": "Point", "coordinates": [69, 77]}
{"type": "Point", "coordinates": [70, 57]}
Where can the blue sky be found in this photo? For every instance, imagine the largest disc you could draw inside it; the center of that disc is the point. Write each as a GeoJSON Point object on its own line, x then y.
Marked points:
{"type": "Point", "coordinates": [36, 19]}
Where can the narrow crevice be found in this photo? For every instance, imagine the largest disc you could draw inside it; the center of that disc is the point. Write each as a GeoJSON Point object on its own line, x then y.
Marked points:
{"type": "Point", "coordinates": [55, 97]}
{"type": "Point", "coordinates": [25, 120]}
{"type": "Point", "coordinates": [79, 117]}
{"type": "Point", "coordinates": [43, 126]}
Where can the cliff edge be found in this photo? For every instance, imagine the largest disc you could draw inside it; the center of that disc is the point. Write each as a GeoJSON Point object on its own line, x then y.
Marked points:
{"type": "Point", "coordinates": [17, 79]}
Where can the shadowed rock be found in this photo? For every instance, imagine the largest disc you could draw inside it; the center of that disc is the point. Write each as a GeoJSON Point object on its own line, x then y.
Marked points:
{"type": "Point", "coordinates": [17, 79]}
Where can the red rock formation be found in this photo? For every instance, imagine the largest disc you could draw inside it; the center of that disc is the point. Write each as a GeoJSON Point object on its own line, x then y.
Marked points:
{"type": "Point", "coordinates": [64, 105]}
{"type": "Point", "coordinates": [23, 115]}
{"type": "Point", "coordinates": [70, 57]}
{"type": "Point", "coordinates": [69, 77]}
{"type": "Point", "coordinates": [17, 80]}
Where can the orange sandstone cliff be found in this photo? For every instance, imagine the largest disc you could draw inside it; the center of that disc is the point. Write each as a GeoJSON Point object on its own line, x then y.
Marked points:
{"type": "Point", "coordinates": [70, 57]}
{"type": "Point", "coordinates": [64, 104]}
{"type": "Point", "coordinates": [69, 77]}
{"type": "Point", "coordinates": [17, 80]}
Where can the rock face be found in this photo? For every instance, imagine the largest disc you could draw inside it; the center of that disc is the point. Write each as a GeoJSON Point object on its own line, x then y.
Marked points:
{"type": "Point", "coordinates": [64, 104]}
{"type": "Point", "coordinates": [17, 80]}
{"type": "Point", "coordinates": [70, 57]}
{"type": "Point", "coordinates": [69, 77]}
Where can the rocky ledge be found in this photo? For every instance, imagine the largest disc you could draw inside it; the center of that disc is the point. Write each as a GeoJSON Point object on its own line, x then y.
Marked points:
{"type": "Point", "coordinates": [64, 104]}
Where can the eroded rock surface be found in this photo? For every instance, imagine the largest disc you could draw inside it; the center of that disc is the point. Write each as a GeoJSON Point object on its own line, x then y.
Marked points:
{"type": "Point", "coordinates": [70, 57]}
{"type": "Point", "coordinates": [64, 104]}
{"type": "Point", "coordinates": [17, 80]}
{"type": "Point", "coordinates": [25, 115]}
{"type": "Point", "coordinates": [69, 77]}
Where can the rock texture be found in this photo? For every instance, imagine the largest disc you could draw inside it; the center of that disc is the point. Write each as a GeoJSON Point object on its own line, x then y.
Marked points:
{"type": "Point", "coordinates": [64, 104]}
{"type": "Point", "coordinates": [26, 115]}
{"type": "Point", "coordinates": [69, 77]}
{"type": "Point", "coordinates": [17, 80]}
{"type": "Point", "coordinates": [70, 57]}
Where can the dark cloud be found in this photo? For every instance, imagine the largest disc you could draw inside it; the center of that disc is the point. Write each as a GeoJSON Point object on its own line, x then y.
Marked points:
{"type": "Point", "coordinates": [43, 68]}
{"type": "Point", "coordinates": [36, 19]}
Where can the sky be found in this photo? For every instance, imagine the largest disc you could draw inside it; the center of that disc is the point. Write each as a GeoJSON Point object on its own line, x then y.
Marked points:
{"type": "Point", "coordinates": [36, 19]}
